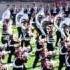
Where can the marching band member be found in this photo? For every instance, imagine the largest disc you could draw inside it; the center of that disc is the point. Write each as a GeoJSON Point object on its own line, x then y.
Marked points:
{"type": "Point", "coordinates": [33, 10]}
{"type": "Point", "coordinates": [2, 55]}
{"type": "Point", "coordinates": [11, 47]}
{"type": "Point", "coordinates": [62, 56]}
{"type": "Point", "coordinates": [65, 23]}
{"type": "Point", "coordinates": [13, 12]}
{"type": "Point", "coordinates": [50, 39]}
{"type": "Point", "coordinates": [18, 17]}
{"type": "Point", "coordinates": [25, 30]}
{"type": "Point", "coordinates": [6, 14]}
{"type": "Point", "coordinates": [38, 19]}
{"type": "Point", "coordinates": [6, 20]}
{"type": "Point", "coordinates": [57, 20]}
{"type": "Point", "coordinates": [21, 54]}
{"type": "Point", "coordinates": [39, 50]}
{"type": "Point", "coordinates": [67, 56]}
{"type": "Point", "coordinates": [6, 31]}
{"type": "Point", "coordinates": [46, 57]}
{"type": "Point", "coordinates": [64, 48]}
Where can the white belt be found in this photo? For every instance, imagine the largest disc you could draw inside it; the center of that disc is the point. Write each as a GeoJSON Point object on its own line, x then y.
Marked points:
{"type": "Point", "coordinates": [21, 66]}
{"type": "Point", "coordinates": [63, 53]}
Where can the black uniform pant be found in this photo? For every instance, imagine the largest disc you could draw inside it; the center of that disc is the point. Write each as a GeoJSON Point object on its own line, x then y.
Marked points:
{"type": "Point", "coordinates": [67, 13]}
{"type": "Point", "coordinates": [58, 36]}
{"type": "Point", "coordinates": [13, 16]}
{"type": "Point", "coordinates": [19, 32]}
{"type": "Point", "coordinates": [54, 14]}
{"type": "Point", "coordinates": [17, 68]}
{"type": "Point", "coordinates": [12, 50]}
{"type": "Point", "coordinates": [50, 47]}
{"type": "Point", "coordinates": [61, 61]}
{"type": "Point", "coordinates": [36, 59]}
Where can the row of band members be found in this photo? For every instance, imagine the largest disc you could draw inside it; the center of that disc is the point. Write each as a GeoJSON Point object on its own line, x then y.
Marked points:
{"type": "Point", "coordinates": [13, 11]}
{"type": "Point", "coordinates": [44, 42]}
{"type": "Point", "coordinates": [44, 51]}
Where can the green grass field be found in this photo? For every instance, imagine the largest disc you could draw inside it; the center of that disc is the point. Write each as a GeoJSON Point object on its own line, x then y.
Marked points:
{"type": "Point", "coordinates": [31, 58]}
